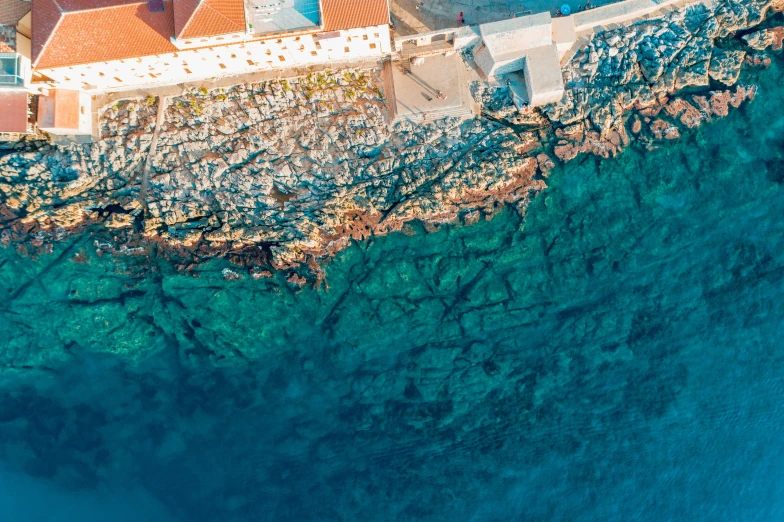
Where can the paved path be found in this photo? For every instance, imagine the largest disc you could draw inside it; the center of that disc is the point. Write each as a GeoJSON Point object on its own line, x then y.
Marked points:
{"type": "Point", "coordinates": [389, 91]}
{"type": "Point", "coordinates": [443, 14]}
{"type": "Point", "coordinates": [162, 100]}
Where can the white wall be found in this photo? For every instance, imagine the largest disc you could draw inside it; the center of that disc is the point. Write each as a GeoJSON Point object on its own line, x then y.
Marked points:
{"type": "Point", "coordinates": [208, 62]}
{"type": "Point", "coordinates": [223, 39]}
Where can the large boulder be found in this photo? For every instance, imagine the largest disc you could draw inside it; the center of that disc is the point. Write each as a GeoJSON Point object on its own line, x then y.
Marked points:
{"type": "Point", "coordinates": [725, 66]}
{"type": "Point", "coordinates": [759, 40]}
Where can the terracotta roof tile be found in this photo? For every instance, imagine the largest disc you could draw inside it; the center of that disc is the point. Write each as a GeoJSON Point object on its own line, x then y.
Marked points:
{"type": "Point", "coordinates": [69, 6]}
{"type": "Point", "coordinates": [11, 11]}
{"type": "Point", "coordinates": [13, 111]}
{"type": "Point", "coordinates": [348, 14]}
{"type": "Point", "coordinates": [183, 10]}
{"type": "Point", "coordinates": [98, 35]}
{"type": "Point", "coordinates": [208, 17]}
{"type": "Point", "coordinates": [45, 17]}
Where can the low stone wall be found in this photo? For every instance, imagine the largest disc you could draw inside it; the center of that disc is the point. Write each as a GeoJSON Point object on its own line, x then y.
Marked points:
{"type": "Point", "coordinates": [462, 37]}
{"type": "Point", "coordinates": [621, 12]}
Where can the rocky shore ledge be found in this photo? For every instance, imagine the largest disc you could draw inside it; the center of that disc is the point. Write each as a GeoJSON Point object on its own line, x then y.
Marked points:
{"type": "Point", "coordinates": [280, 175]}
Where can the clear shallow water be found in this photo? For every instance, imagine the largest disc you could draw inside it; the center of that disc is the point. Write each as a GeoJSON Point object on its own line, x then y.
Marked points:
{"type": "Point", "coordinates": [617, 355]}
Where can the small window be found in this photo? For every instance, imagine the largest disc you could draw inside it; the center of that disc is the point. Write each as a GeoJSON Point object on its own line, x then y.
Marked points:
{"type": "Point", "coordinates": [364, 37]}
{"type": "Point", "coordinates": [282, 59]}
{"type": "Point", "coordinates": [375, 35]}
{"type": "Point", "coordinates": [219, 38]}
{"type": "Point", "coordinates": [233, 55]}
{"type": "Point", "coordinates": [115, 79]}
{"type": "Point", "coordinates": [346, 49]}
{"type": "Point", "coordinates": [250, 62]}
{"type": "Point", "coordinates": [81, 109]}
{"type": "Point", "coordinates": [313, 53]}
{"type": "Point", "coordinates": [188, 71]}
{"type": "Point", "coordinates": [222, 66]}
{"type": "Point", "coordinates": [372, 46]}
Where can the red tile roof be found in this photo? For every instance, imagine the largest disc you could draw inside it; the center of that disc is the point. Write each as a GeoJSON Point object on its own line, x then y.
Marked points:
{"type": "Point", "coordinates": [13, 111]}
{"type": "Point", "coordinates": [195, 18]}
{"type": "Point", "coordinates": [74, 32]}
{"type": "Point", "coordinates": [348, 14]}
{"type": "Point", "coordinates": [11, 11]}
{"type": "Point", "coordinates": [101, 31]}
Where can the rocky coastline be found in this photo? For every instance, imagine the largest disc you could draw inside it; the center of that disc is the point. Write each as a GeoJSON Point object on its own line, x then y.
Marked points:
{"type": "Point", "coordinates": [283, 174]}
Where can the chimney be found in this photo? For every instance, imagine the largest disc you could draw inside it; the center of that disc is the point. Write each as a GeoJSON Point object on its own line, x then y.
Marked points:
{"type": "Point", "coordinates": [155, 6]}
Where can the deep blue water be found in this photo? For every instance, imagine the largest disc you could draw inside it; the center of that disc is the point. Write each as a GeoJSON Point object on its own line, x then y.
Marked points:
{"type": "Point", "coordinates": [616, 355]}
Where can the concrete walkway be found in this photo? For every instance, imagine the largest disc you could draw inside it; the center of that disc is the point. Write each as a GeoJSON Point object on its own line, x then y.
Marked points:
{"type": "Point", "coordinates": [442, 14]}
{"type": "Point", "coordinates": [417, 91]}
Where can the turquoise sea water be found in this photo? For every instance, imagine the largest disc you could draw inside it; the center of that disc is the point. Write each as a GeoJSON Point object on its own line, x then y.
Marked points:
{"type": "Point", "coordinates": [616, 355]}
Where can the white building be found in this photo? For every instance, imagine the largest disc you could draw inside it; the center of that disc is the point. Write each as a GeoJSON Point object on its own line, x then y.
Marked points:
{"type": "Point", "coordinates": [89, 46]}
{"type": "Point", "coordinates": [531, 45]}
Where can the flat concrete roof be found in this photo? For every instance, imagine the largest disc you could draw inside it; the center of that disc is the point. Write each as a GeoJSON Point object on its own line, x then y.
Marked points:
{"type": "Point", "coordinates": [543, 69]}
{"type": "Point", "coordinates": [59, 109]}
{"type": "Point", "coordinates": [517, 33]}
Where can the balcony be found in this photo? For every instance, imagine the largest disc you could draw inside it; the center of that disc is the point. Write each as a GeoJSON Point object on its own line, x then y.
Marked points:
{"type": "Point", "coordinates": [11, 70]}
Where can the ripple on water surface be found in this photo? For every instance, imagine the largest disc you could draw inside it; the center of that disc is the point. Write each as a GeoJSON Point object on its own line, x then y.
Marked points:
{"type": "Point", "coordinates": [615, 356]}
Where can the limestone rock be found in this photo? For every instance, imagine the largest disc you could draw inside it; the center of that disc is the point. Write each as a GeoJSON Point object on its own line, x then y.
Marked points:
{"type": "Point", "coordinates": [759, 40]}
{"type": "Point", "coordinates": [725, 66]}
{"type": "Point", "coordinates": [664, 130]}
